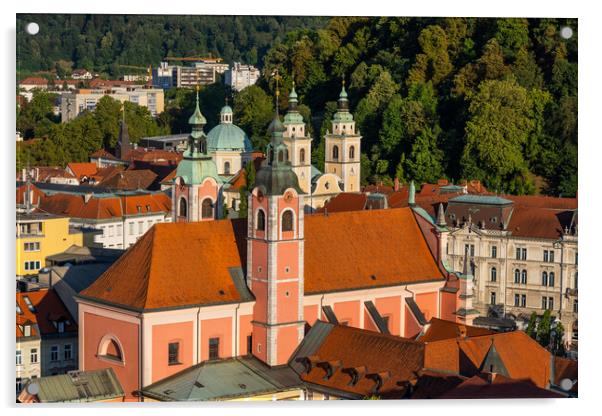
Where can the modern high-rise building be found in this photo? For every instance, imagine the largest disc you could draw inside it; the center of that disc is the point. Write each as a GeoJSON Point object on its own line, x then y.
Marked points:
{"type": "Point", "coordinates": [241, 76]}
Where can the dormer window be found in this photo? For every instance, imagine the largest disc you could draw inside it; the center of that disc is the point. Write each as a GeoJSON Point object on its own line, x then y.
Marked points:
{"type": "Point", "coordinates": [27, 330]}
{"type": "Point", "coordinates": [19, 310]}
{"type": "Point", "coordinates": [139, 208]}
{"type": "Point", "coordinates": [148, 208]}
{"type": "Point", "coordinates": [30, 306]}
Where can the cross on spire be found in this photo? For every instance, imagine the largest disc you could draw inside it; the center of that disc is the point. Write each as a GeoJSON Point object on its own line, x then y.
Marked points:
{"type": "Point", "coordinates": [277, 77]}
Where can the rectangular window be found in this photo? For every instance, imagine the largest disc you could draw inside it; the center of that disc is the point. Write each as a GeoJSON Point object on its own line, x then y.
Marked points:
{"type": "Point", "coordinates": [551, 303]}
{"type": "Point", "coordinates": [213, 348]}
{"type": "Point", "coordinates": [54, 353]}
{"type": "Point", "coordinates": [472, 250]}
{"type": "Point", "coordinates": [111, 231]}
{"type": "Point", "coordinates": [517, 300]}
{"type": "Point", "coordinates": [19, 385]}
{"type": "Point", "coordinates": [35, 246]}
{"type": "Point", "coordinates": [517, 253]}
{"type": "Point", "coordinates": [551, 256]}
{"type": "Point", "coordinates": [131, 228]}
{"type": "Point", "coordinates": [576, 258]}
{"type": "Point", "coordinates": [140, 227]}
{"type": "Point", "coordinates": [60, 326]}
{"type": "Point", "coordinates": [67, 352]}
{"type": "Point", "coordinates": [523, 277]}
{"type": "Point", "coordinates": [545, 256]}
{"type": "Point", "coordinates": [33, 355]}
{"type": "Point", "coordinates": [492, 298]}
{"type": "Point", "coordinates": [523, 301]}
{"type": "Point", "coordinates": [19, 358]}
{"type": "Point", "coordinates": [174, 353]}
{"type": "Point", "coordinates": [119, 229]}
{"type": "Point", "coordinates": [494, 252]}
{"type": "Point", "coordinates": [544, 303]}
{"type": "Point", "coordinates": [524, 254]}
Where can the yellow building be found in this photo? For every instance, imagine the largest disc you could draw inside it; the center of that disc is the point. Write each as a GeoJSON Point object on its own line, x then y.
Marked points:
{"type": "Point", "coordinates": [40, 235]}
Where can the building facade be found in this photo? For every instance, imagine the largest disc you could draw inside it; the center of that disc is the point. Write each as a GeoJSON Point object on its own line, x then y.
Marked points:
{"type": "Point", "coordinates": [72, 104]}
{"type": "Point", "coordinates": [241, 76]}
{"type": "Point", "coordinates": [524, 259]}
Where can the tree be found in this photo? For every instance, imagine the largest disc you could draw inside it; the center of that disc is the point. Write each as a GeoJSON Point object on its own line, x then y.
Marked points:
{"type": "Point", "coordinates": [499, 126]}
{"type": "Point", "coordinates": [254, 110]}
{"type": "Point", "coordinates": [532, 326]}
{"type": "Point", "coordinates": [424, 161]}
{"type": "Point", "coordinates": [34, 119]}
{"type": "Point", "coordinates": [544, 329]}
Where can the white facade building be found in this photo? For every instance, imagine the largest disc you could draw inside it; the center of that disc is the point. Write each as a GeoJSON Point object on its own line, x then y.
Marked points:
{"type": "Point", "coordinates": [241, 76]}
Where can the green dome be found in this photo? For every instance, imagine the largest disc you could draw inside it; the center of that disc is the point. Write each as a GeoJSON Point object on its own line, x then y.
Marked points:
{"type": "Point", "coordinates": [226, 110]}
{"type": "Point", "coordinates": [197, 117]}
{"type": "Point", "coordinates": [195, 171]}
{"type": "Point", "coordinates": [227, 136]}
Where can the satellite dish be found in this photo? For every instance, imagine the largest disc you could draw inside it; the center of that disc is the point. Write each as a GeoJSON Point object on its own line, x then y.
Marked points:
{"type": "Point", "coordinates": [34, 388]}
{"type": "Point", "coordinates": [566, 384]}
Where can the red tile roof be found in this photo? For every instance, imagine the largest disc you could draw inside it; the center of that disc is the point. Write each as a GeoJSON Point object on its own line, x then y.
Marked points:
{"type": "Point", "coordinates": [565, 368]}
{"type": "Point", "coordinates": [538, 201]}
{"type": "Point", "coordinates": [75, 206]}
{"type": "Point", "coordinates": [487, 386]}
{"type": "Point", "coordinates": [153, 155]}
{"type": "Point", "coordinates": [83, 169]}
{"type": "Point", "coordinates": [34, 81]}
{"type": "Point", "coordinates": [539, 222]}
{"type": "Point", "coordinates": [396, 359]}
{"type": "Point", "coordinates": [48, 307]}
{"type": "Point", "coordinates": [102, 153]}
{"type": "Point", "coordinates": [523, 357]}
{"type": "Point", "coordinates": [345, 202]}
{"type": "Point", "coordinates": [439, 329]}
{"type": "Point", "coordinates": [37, 194]}
{"type": "Point", "coordinates": [373, 249]}
{"type": "Point", "coordinates": [129, 180]}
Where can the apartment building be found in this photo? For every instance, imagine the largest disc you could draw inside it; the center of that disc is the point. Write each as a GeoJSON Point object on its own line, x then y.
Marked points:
{"type": "Point", "coordinates": [46, 336]}
{"type": "Point", "coordinates": [72, 104]}
{"type": "Point", "coordinates": [523, 253]}
{"type": "Point", "coordinates": [120, 219]}
{"type": "Point", "coordinates": [241, 76]}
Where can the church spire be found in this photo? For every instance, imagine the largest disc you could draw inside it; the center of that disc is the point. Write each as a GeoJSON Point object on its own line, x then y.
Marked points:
{"type": "Point", "coordinates": [441, 216]}
{"type": "Point", "coordinates": [343, 103]}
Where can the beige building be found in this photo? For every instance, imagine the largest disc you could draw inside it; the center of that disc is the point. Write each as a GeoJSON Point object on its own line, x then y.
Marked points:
{"type": "Point", "coordinates": [298, 143]}
{"type": "Point", "coordinates": [72, 104]}
{"type": "Point", "coordinates": [523, 254]}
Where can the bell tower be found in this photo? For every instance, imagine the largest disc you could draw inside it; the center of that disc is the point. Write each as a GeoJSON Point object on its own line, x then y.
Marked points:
{"type": "Point", "coordinates": [275, 247]}
{"type": "Point", "coordinates": [196, 190]}
{"type": "Point", "coordinates": [343, 146]}
{"type": "Point", "coordinates": [297, 142]}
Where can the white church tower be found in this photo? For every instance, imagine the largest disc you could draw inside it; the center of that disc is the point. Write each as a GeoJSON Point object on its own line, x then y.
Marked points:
{"type": "Point", "coordinates": [298, 142]}
{"type": "Point", "coordinates": [343, 147]}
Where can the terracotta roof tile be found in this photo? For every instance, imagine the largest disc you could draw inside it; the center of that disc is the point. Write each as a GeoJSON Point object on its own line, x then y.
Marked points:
{"type": "Point", "coordinates": [48, 306]}
{"type": "Point", "coordinates": [82, 169]}
{"type": "Point", "coordinates": [129, 180]}
{"type": "Point", "coordinates": [102, 153]}
{"type": "Point", "coordinates": [34, 81]}
{"type": "Point", "coordinates": [565, 368]}
{"type": "Point", "coordinates": [539, 222]}
{"type": "Point", "coordinates": [523, 357]}
{"type": "Point", "coordinates": [439, 329]}
{"type": "Point", "coordinates": [345, 202]}
{"type": "Point", "coordinates": [374, 249]}
{"type": "Point", "coordinates": [397, 359]}
{"type": "Point", "coordinates": [75, 206]}
{"type": "Point", "coordinates": [484, 386]}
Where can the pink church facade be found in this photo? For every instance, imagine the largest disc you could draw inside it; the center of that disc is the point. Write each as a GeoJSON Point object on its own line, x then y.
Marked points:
{"type": "Point", "coordinates": [191, 292]}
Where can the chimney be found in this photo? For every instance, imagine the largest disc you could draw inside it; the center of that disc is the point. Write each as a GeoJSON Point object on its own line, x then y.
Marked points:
{"type": "Point", "coordinates": [462, 331]}
{"type": "Point", "coordinates": [396, 184]}
{"type": "Point", "coordinates": [491, 377]}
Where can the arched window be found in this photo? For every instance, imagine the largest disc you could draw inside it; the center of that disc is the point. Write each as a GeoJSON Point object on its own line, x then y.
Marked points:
{"type": "Point", "coordinates": [335, 152]}
{"type": "Point", "coordinates": [352, 152]}
{"type": "Point", "coordinates": [493, 274]}
{"type": "Point", "coordinates": [110, 348]}
{"type": "Point", "coordinates": [271, 155]}
{"type": "Point", "coordinates": [207, 208]}
{"type": "Point", "coordinates": [226, 168]}
{"type": "Point", "coordinates": [551, 280]}
{"type": "Point", "coordinates": [516, 276]}
{"type": "Point", "coordinates": [544, 278]}
{"type": "Point", "coordinates": [260, 223]}
{"type": "Point", "coordinates": [287, 221]}
{"type": "Point", "coordinates": [183, 211]}
{"type": "Point", "coordinates": [302, 155]}
{"type": "Point", "coordinates": [523, 277]}
{"type": "Point", "coordinates": [281, 156]}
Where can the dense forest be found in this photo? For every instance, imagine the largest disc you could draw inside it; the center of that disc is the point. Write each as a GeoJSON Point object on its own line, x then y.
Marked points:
{"type": "Point", "coordinates": [489, 99]}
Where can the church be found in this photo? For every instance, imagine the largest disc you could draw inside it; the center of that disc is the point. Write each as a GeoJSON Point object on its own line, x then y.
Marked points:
{"type": "Point", "coordinates": [206, 179]}
{"type": "Point", "coordinates": [201, 289]}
